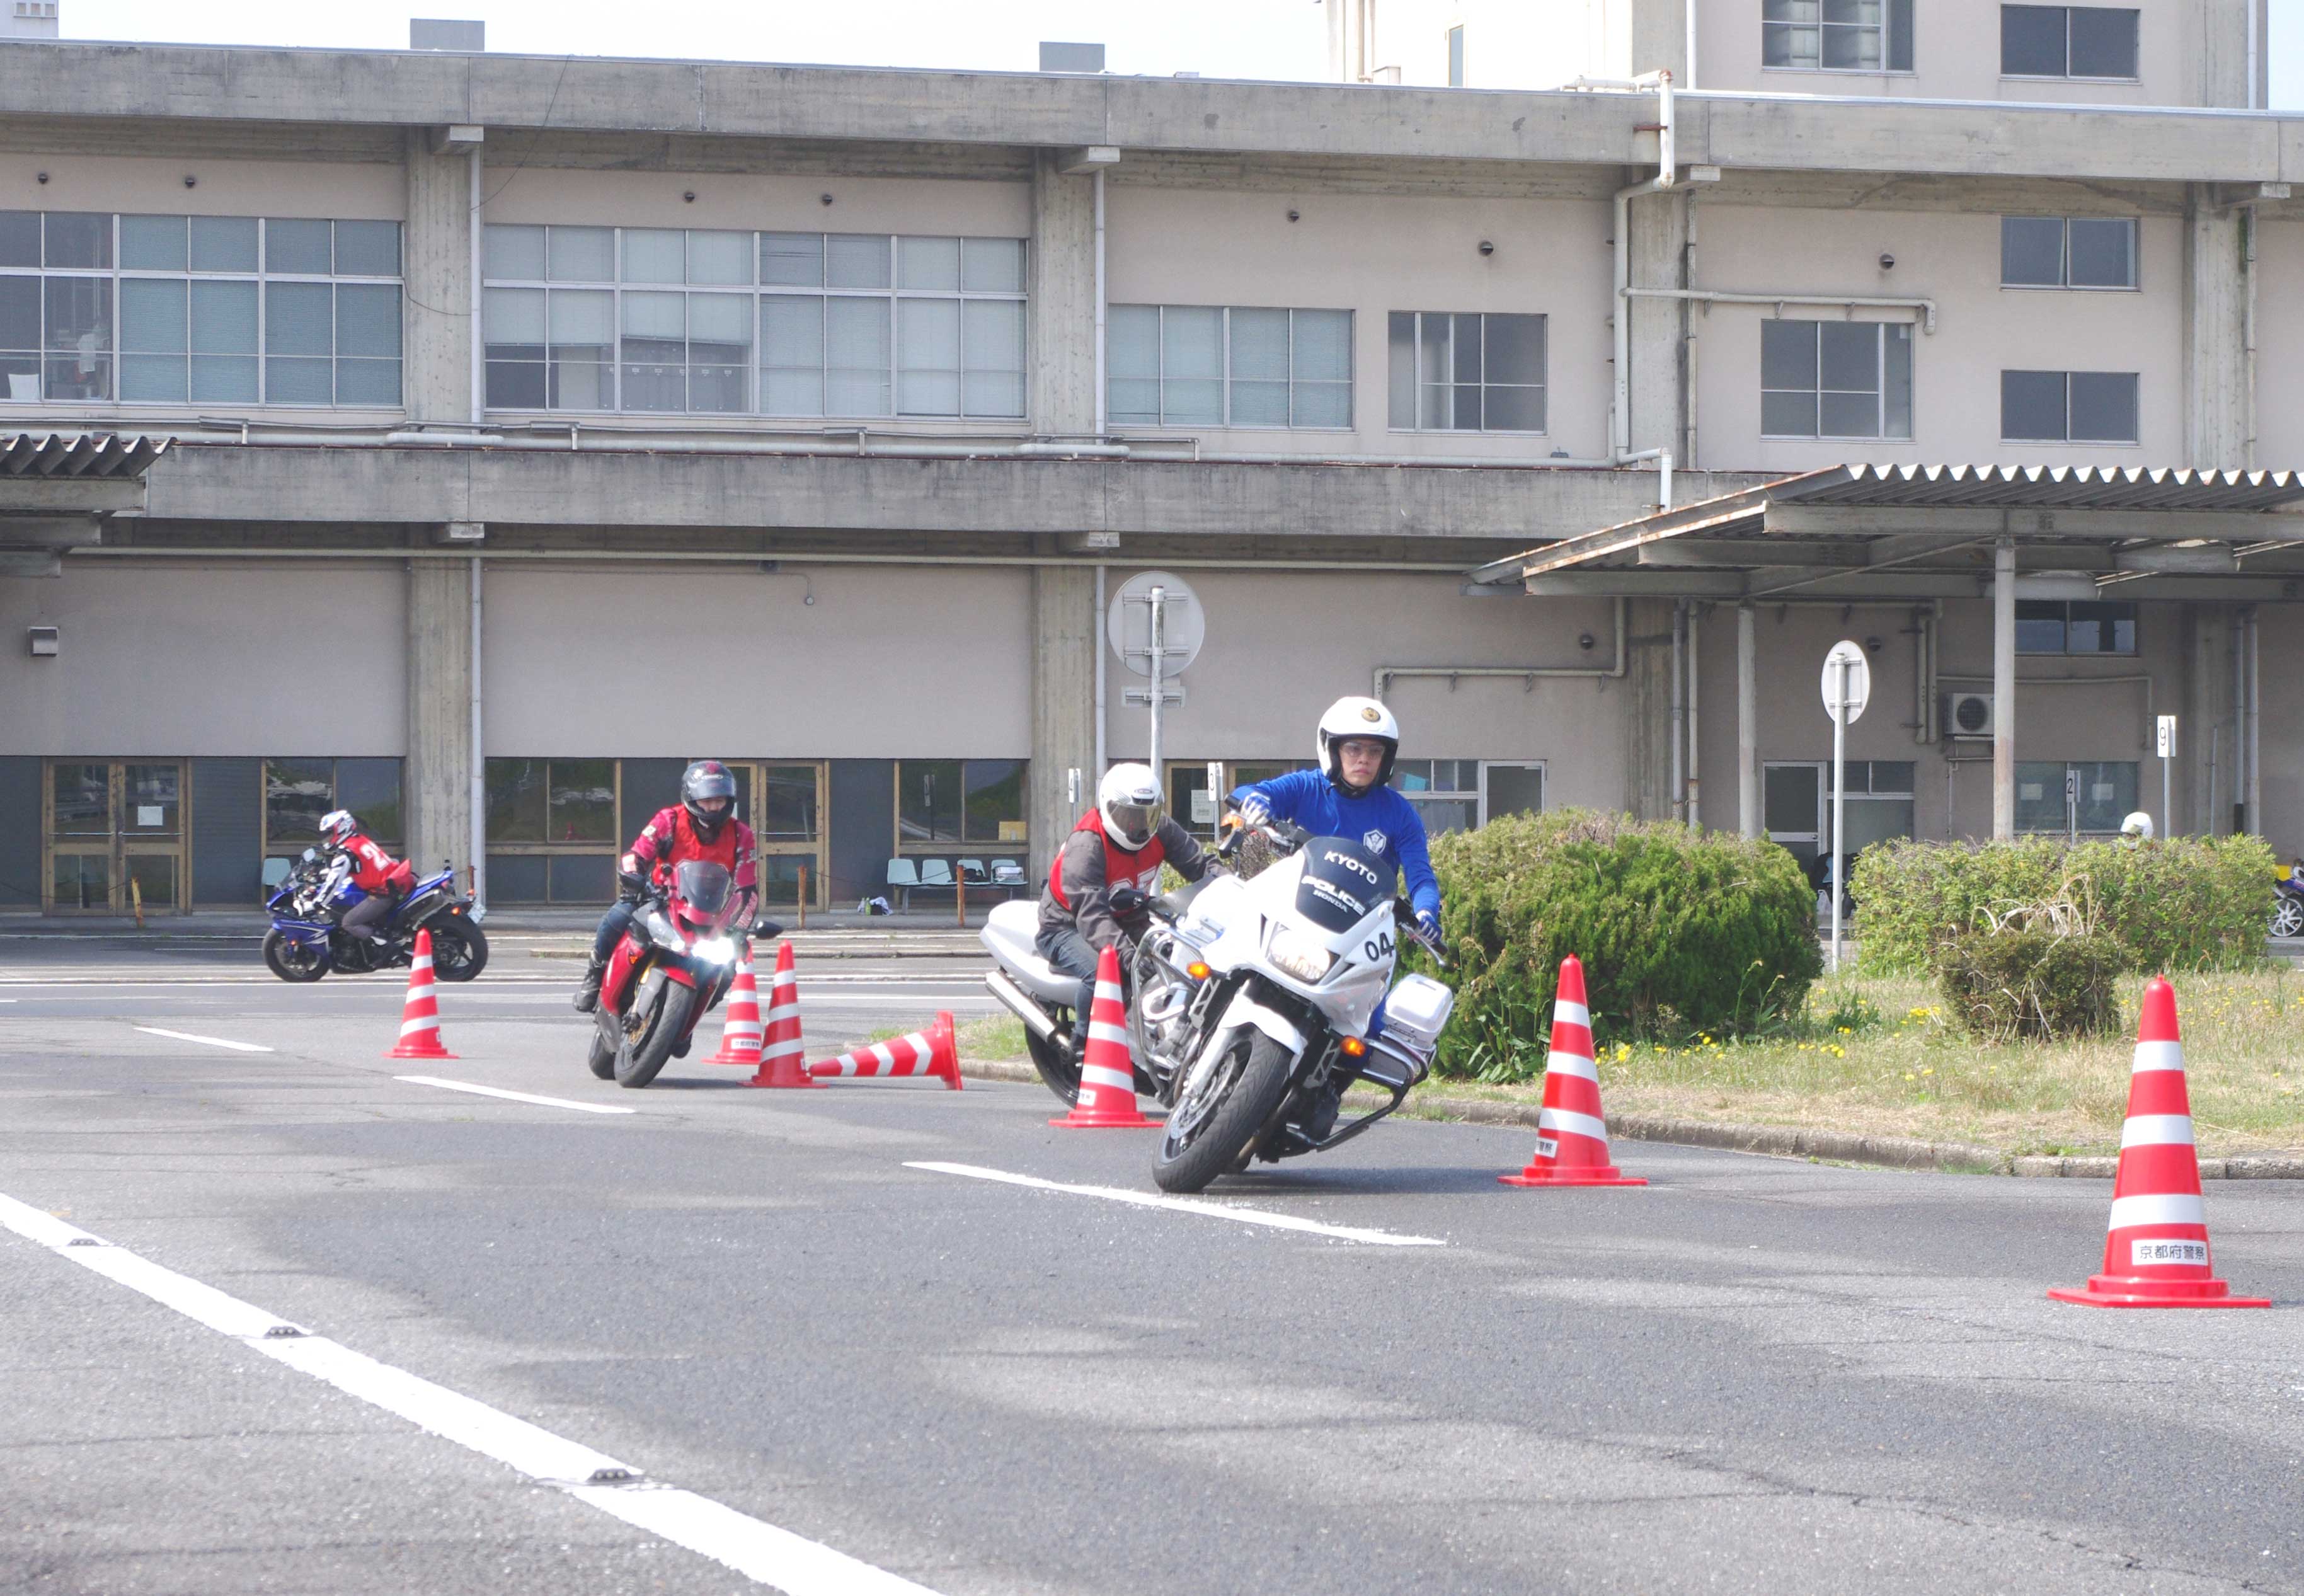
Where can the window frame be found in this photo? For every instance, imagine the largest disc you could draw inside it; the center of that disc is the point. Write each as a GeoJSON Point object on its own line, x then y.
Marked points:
{"type": "Point", "coordinates": [1226, 380]}
{"type": "Point", "coordinates": [1890, 37]}
{"type": "Point", "coordinates": [2135, 283]}
{"type": "Point", "coordinates": [2068, 75]}
{"type": "Point", "coordinates": [269, 847]}
{"type": "Point", "coordinates": [1416, 385]}
{"type": "Point", "coordinates": [2065, 622]}
{"type": "Point", "coordinates": [114, 352]}
{"type": "Point", "coordinates": [2136, 410]}
{"type": "Point", "coordinates": [2075, 805]}
{"type": "Point", "coordinates": [1880, 390]}
{"type": "Point", "coordinates": [900, 846]}
{"type": "Point", "coordinates": [759, 293]}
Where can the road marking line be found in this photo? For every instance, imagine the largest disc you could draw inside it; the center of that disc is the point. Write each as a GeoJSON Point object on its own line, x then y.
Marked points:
{"type": "Point", "coordinates": [1190, 1205]}
{"type": "Point", "coordinates": [517, 1097]}
{"type": "Point", "coordinates": [760, 1550]}
{"type": "Point", "coordinates": [212, 1041]}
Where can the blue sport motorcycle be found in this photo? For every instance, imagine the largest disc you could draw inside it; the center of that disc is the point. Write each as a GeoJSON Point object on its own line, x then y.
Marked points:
{"type": "Point", "coordinates": [304, 943]}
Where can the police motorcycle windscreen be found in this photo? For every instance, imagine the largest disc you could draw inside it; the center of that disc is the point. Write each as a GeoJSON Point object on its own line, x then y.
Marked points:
{"type": "Point", "coordinates": [1342, 884]}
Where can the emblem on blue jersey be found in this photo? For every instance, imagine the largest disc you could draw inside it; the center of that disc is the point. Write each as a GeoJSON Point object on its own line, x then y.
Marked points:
{"type": "Point", "coordinates": [1374, 840]}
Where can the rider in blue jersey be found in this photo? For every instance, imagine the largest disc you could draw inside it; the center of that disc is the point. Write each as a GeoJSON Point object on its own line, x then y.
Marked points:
{"type": "Point", "coordinates": [1356, 743]}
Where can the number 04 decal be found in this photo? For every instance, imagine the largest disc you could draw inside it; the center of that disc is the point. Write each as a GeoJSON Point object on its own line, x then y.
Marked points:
{"type": "Point", "coordinates": [1380, 948]}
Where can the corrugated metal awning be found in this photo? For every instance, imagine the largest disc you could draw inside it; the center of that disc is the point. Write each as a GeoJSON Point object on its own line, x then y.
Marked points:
{"type": "Point", "coordinates": [87, 454]}
{"type": "Point", "coordinates": [2057, 486]}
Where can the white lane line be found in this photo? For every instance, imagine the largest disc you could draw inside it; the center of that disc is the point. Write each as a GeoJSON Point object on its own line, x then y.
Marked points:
{"type": "Point", "coordinates": [211, 1042]}
{"type": "Point", "coordinates": [517, 1097]}
{"type": "Point", "coordinates": [1190, 1205]}
{"type": "Point", "coordinates": [760, 1552]}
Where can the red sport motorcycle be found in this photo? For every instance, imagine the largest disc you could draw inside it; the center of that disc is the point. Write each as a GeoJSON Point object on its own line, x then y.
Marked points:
{"type": "Point", "coordinates": [674, 964]}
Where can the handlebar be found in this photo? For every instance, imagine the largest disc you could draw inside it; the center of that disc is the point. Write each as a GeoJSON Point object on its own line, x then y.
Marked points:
{"type": "Point", "coordinates": [1284, 836]}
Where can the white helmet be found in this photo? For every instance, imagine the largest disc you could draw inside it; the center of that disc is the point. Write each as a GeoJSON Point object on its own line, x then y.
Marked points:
{"type": "Point", "coordinates": [2137, 828]}
{"type": "Point", "coordinates": [336, 824]}
{"type": "Point", "coordinates": [1355, 719]}
{"type": "Point", "coordinates": [1128, 801]}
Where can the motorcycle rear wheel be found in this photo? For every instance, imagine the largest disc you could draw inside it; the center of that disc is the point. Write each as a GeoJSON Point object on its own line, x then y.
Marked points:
{"type": "Point", "coordinates": [1249, 1082]}
{"type": "Point", "coordinates": [639, 1060]}
{"type": "Point", "coordinates": [460, 949]}
{"type": "Point", "coordinates": [292, 963]}
{"type": "Point", "coordinates": [2288, 918]}
{"type": "Point", "coordinates": [1060, 1071]}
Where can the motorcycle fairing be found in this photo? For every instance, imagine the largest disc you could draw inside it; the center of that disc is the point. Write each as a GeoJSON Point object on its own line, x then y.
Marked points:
{"type": "Point", "coordinates": [1010, 933]}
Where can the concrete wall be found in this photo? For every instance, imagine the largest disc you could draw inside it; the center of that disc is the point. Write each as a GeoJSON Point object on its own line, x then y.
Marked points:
{"type": "Point", "coordinates": [766, 200]}
{"type": "Point", "coordinates": [225, 188]}
{"type": "Point", "coordinates": [2281, 659]}
{"type": "Point", "coordinates": [1374, 254]}
{"type": "Point", "coordinates": [2280, 344]}
{"type": "Point", "coordinates": [183, 658]}
{"type": "Point", "coordinates": [1982, 329]}
{"type": "Point", "coordinates": [921, 662]}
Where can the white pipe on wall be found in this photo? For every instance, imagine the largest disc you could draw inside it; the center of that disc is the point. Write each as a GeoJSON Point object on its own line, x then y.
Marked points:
{"type": "Point", "coordinates": [1679, 708]}
{"type": "Point", "coordinates": [479, 842]}
{"type": "Point", "coordinates": [1103, 642]}
{"type": "Point", "coordinates": [2255, 722]}
{"type": "Point", "coordinates": [1695, 727]}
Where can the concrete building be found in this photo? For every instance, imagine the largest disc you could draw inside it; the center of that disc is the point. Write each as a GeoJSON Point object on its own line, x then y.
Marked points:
{"type": "Point", "coordinates": [533, 424]}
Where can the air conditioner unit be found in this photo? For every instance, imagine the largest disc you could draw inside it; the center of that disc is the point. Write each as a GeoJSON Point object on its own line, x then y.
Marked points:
{"type": "Point", "coordinates": [1966, 715]}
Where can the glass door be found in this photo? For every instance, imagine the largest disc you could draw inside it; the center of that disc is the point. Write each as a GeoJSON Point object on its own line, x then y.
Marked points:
{"type": "Point", "coordinates": [114, 835]}
{"type": "Point", "coordinates": [784, 802]}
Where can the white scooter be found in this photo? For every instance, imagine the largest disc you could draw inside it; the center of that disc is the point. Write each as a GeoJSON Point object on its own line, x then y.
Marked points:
{"type": "Point", "coordinates": [1254, 998]}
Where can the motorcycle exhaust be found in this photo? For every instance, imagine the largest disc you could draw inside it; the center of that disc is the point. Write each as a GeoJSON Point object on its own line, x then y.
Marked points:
{"type": "Point", "coordinates": [1038, 1019]}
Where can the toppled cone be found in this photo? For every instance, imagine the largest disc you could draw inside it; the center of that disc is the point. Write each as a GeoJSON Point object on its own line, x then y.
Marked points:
{"type": "Point", "coordinates": [1107, 1086]}
{"type": "Point", "coordinates": [420, 1015]}
{"type": "Point", "coordinates": [740, 1036]}
{"type": "Point", "coordinates": [931, 1052]}
{"type": "Point", "coordinates": [783, 1058]}
{"type": "Point", "coordinates": [2156, 1255]}
{"type": "Point", "coordinates": [1571, 1138]}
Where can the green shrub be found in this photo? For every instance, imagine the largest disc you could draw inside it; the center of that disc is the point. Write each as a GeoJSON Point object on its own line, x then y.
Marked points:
{"type": "Point", "coordinates": [2182, 904]}
{"type": "Point", "coordinates": [1680, 932]}
{"type": "Point", "coordinates": [2031, 984]}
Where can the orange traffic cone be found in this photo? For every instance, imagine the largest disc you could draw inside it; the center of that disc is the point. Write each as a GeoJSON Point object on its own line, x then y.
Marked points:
{"type": "Point", "coordinates": [419, 1016]}
{"type": "Point", "coordinates": [931, 1052]}
{"type": "Point", "coordinates": [1571, 1138]}
{"type": "Point", "coordinates": [782, 1062]}
{"type": "Point", "coordinates": [1107, 1088]}
{"type": "Point", "coordinates": [2156, 1255]}
{"type": "Point", "coordinates": [739, 1035]}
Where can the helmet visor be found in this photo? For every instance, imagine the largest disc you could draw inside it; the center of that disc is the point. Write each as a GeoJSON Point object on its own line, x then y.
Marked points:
{"type": "Point", "coordinates": [1137, 820]}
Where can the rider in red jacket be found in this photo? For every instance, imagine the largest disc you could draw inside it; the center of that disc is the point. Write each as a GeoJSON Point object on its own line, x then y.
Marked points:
{"type": "Point", "coordinates": [384, 880]}
{"type": "Point", "coordinates": [702, 825]}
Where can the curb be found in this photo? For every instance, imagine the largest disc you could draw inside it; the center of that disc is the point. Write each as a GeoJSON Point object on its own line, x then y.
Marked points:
{"type": "Point", "coordinates": [1889, 1152]}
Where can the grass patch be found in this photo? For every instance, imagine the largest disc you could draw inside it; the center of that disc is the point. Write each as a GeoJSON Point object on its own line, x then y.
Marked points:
{"type": "Point", "coordinates": [999, 1036]}
{"type": "Point", "coordinates": [1876, 1055]}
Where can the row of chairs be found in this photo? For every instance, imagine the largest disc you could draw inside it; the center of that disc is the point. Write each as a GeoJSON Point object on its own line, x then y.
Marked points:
{"type": "Point", "coordinates": [906, 876]}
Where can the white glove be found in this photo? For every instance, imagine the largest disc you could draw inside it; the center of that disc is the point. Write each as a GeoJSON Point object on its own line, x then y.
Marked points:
{"type": "Point", "coordinates": [1255, 808]}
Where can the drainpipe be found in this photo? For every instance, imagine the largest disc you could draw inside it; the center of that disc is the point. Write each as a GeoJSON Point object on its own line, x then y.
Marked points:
{"type": "Point", "coordinates": [2254, 748]}
{"type": "Point", "coordinates": [1102, 643]}
{"type": "Point", "coordinates": [1679, 708]}
{"type": "Point", "coordinates": [479, 840]}
{"type": "Point", "coordinates": [1620, 420]}
{"type": "Point", "coordinates": [1695, 726]}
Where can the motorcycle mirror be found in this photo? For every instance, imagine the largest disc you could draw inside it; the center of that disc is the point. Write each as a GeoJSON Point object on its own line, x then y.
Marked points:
{"type": "Point", "coordinates": [310, 854]}
{"type": "Point", "coordinates": [767, 929]}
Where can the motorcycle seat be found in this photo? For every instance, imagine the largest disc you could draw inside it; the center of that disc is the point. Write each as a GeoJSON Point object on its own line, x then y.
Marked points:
{"type": "Point", "coordinates": [1009, 933]}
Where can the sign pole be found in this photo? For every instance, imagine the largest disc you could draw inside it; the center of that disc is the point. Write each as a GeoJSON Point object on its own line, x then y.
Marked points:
{"type": "Point", "coordinates": [1839, 790]}
{"type": "Point", "coordinates": [2167, 756]}
{"type": "Point", "coordinates": [1159, 669]}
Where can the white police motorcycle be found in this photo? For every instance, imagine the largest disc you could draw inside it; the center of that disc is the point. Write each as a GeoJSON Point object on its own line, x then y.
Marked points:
{"type": "Point", "coordinates": [1253, 998]}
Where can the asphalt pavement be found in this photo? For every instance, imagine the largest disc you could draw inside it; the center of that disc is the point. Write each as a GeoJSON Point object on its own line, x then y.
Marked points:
{"type": "Point", "coordinates": [882, 1337]}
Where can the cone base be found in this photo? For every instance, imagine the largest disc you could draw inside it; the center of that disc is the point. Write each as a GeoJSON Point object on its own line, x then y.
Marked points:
{"type": "Point", "coordinates": [1076, 1121]}
{"type": "Point", "coordinates": [793, 1078]}
{"type": "Point", "coordinates": [742, 1061]}
{"type": "Point", "coordinates": [1606, 1175]}
{"type": "Point", "coordinates": [2112, 1291]}
{"type": "Point", "coordinates": [420, 1053]}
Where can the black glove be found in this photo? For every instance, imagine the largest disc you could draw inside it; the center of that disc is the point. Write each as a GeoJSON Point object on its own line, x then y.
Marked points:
{"type": "Point", "coordinates": [631, 889]}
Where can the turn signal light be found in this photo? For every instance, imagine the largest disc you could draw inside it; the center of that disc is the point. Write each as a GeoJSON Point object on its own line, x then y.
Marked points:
{"type": "Point", "coordinates": [1354, 1047]}
{"type": "Point", "coordinates": [1196, 971]}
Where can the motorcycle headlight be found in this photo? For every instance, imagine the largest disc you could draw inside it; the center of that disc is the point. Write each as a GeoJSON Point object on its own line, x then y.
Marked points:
{"type": "Point", "coordinates": [717, 950]}
{"type": "Point", "coordinates": [1300, 956]}
{"type": "Point", "coordinates": [667, 934]}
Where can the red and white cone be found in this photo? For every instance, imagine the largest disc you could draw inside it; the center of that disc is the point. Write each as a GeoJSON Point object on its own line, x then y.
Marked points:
{"type": "Point", "coordinates": [419, 1016]}
{"type": "Point", "coordinates": [783, 1059]}
{"type": "Point", "coordinates": [2156, 1255]}
{"type": "Point", "coordinates": [1571, 1137]}
{"type": "Point", "coordinates": [931, 1052]}
{"type": "Point", "coordinates": [1107, 1088]}
{"type": "Point", "coordinates": [739, 1034]}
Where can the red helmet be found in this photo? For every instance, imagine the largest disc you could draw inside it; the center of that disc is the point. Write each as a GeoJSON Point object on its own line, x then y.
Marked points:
{"type": "Point", "coordinates": [703, 780]}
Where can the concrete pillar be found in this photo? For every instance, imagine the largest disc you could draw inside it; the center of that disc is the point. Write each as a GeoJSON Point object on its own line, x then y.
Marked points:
{"type": "Point", "coordinates": [1659, 327]}
{"type": "Point", "coordinates": [1747, 724]}
{"type": "Point", "coordinates": [2219, 375]}
{"type": "Point", "coordinates": [1064, 706]}
{"type": "Point", "coordinates": [1061, 341]}
{"type": "Point", "coordinates": [437, 779]}
{"type": "Point", "coordinates": [2221, 59]}
{"type": "Point", "coordinates": [436, 303]}
{"type": "Point", "coordinates": [1659, 38]}
{"type": "Point", "coordinates": [1648, 724]}
{"type": "Point", "coordinates": [2004, 690]}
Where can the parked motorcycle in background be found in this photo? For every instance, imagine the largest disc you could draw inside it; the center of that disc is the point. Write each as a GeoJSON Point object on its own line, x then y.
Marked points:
{"type": "Point", "coordinates": [674, 964]}
{"type": "Point", "coordinates": [2288, 903]}
{"type": "Point", "coordinates": [304, 943]}
{"type": "Point", "coordinates": [1255, 997]}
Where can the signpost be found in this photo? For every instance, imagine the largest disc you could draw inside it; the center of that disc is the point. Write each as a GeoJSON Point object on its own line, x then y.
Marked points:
{"type": "Point", "coordinates": [1157, 631]}
{"type": "Point", "coordinates": [2167, 755]}
{"type": "Point", "coordinates": [1847, 688]}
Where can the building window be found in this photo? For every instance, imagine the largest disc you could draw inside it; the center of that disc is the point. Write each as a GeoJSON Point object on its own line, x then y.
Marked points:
{"type": "Point", "coordinates": [297, 791]}
{"type": "Point", "coordinates": [553, 829]}
{"type": "Point", "coordinates": [779, 324]}
{"type": "Point", "coordinates": [2077, 407]}
{"type": "Point", "coordinates": [2075, 797]}
{"type": "Point", "coordinates": [2068, 41]}
{"type": "Point", "coordinates": [2068, 251]}
{"type": "Point", "coordinates": [2053, 626]}
{"type": "Point", "coordinates": [162, 310]}
{"type": "Point", "coordinates": [1213, 366]}
{"type": "Point", "coordinates": [1455, 58]}
{"type": "Point", "coordinates": [944, 803]}
{"type": "Point", "coordinates": [1796, 807]}
{"type": "Point", "coordinates": [1835, 380]}
{"type": "Point", "coordinates": [1444, 793]}
{"type": "Point", "coordinates": [1862, 36]}
{"type": "Point", "coordinates": [1454, 372]}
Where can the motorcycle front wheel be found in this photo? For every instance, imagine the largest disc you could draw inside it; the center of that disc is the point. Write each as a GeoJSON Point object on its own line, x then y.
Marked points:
{"type": "Point", "coordinates": [460, 949]}
{"type": "Point", "coordinates": [291, 961]}
{"type": "Point", "coordinates": [1209, 1129]}
{"type": "Point", "coordinates": [638, 1061]}
{"type": "Point", "coordinates": [600, 1058]}
{"type": "Point", "coordinates": [2288, 918]}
